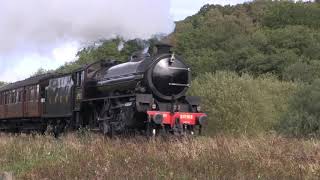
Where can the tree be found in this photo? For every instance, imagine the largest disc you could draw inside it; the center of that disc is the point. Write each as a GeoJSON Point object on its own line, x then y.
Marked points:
{"type": "Point", "coordinates": [2, 83]}
{"type": "Point", "coordinates": [116, 49]}
{"type": "Point", "coordinates": [259, 37]}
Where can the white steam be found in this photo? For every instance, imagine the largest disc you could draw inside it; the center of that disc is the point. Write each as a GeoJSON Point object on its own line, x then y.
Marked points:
{"type": "Point", "coordinates": [40, 24]}
{"type": "Point", "coordinates": [35, 33]}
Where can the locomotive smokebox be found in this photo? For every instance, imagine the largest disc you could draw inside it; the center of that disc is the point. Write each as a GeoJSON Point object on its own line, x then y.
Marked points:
{"type": "Point", "coordinates": [168, 77]}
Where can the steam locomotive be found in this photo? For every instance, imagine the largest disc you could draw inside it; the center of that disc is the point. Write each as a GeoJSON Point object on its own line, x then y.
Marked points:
{"type": "Point", "coordinates": [147, 95]}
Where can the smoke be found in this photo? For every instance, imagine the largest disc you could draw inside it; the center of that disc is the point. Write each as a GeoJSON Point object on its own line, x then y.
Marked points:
{"type": "Point", "coordinates": [31, 31]}
{"type": "Point", "coordinates": [41, 24]}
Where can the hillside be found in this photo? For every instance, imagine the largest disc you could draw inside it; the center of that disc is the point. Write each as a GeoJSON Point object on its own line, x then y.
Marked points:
{"type": "Point", "coordinates": [278, 37]}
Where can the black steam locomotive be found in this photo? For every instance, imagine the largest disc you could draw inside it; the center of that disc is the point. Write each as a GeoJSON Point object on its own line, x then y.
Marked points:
{"type": "Point", "coordinates": [147, 94]}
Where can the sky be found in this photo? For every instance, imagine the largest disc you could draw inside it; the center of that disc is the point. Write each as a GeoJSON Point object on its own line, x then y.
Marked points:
{"type": "Point", "coordinates": [35, 37]}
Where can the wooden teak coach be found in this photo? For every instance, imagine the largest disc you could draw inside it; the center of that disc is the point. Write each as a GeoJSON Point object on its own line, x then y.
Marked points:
{"type": "Point", "coordinates": [23, 99]}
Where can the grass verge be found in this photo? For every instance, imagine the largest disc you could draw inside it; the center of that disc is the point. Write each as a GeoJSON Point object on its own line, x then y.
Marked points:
{"type": "Point", "coordinates": [220, 157]}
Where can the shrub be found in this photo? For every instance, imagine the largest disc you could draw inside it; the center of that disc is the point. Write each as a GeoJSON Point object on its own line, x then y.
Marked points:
{"type": "Point", "coordinates": [242, 105]}
{"type": "Point", "coordinates": [302, 117]}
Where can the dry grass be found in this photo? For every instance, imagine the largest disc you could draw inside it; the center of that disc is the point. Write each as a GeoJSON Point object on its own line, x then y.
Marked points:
{"type": "Point", "coordinates": [93, 157]}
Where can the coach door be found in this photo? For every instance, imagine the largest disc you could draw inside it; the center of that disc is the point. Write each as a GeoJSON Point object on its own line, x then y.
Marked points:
{"type": "Point", "coordinates": [31, 101]}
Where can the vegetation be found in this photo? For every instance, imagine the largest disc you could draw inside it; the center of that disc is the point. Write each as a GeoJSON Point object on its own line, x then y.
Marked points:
{"type": "Point", "coordinates": [221, 157]}
{"type": "Point", "coordinates": [279, 37]}
{"type": "Point", "coordinates": [242, 105]}
{"type": "Point", "coordinates": [2, 83]}
{"type": "Point", "coordinates": [302, 118]}
{"type": "Point", "coordinates": [262, 37]}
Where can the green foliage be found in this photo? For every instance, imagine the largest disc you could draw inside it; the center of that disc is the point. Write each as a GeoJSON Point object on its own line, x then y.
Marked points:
{"type": "Point", "coordinates": [1, 83]}
{"type": "Point", "coordinates": [259, 37]}
{"type": "Point", "coordinates": [109, 49]}
{"type": "Point", "coordinates": [242, 105]}
{"type": "Point", "coordinates": [282, 13]}
{"type": "Point", "coordinates": [41, 71]}
{"type": "Point", "coordinates": [302, 117]}
{"type": "Point", "coordinates": [303, 71]}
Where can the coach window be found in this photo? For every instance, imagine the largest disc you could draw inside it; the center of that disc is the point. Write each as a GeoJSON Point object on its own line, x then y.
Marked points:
{"type": "Point", "coordinates": [20, 95]}
{"type": "Point", "coordinates": [16, 97]}
{"type": "Point", "coordinates": [9, 98]}
{"type": "Point", "coordinates": [5, 98]}
{"type": "Point", "coordinates": [35, 99]}
{"type": "Point", "coordinates": [0, 98]}
{"type": "Point", "coordinates": [13, 97]}
{"type": "Point", "coordinates": [37, 93]}
{"type": "Point", "coordinates": [29, 93]}
{"type": "Point", "coordinates": [32, 92]}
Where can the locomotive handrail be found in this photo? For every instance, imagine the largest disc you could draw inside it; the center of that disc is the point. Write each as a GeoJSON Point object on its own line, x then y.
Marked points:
{"type": "Point", "coordinates": [177, 68]}
{"type": "Point", "coordinates": [109, 97]}
{"type": "Point", "coordinates": [178, 84]}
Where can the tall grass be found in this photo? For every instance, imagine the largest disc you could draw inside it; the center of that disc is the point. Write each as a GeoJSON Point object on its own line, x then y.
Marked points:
{"type": "Point", "coordinates": [242, 105]}
{"type": "Point", "coordinates": [222, 157]}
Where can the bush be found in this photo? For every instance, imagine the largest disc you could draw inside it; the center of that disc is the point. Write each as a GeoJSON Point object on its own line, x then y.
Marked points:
{"type": "Point", "coordinates": [242, 105]}
{"type": "Point", "coordinates": [302, 117]}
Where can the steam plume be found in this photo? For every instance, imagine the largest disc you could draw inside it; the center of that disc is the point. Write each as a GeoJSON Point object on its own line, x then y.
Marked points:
{"type": "Point", "coordinates": [39, 24]}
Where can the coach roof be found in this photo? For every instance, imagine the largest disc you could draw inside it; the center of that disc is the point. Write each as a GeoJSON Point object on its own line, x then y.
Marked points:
{"type": "Point", "coordinates": [26, 82]}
